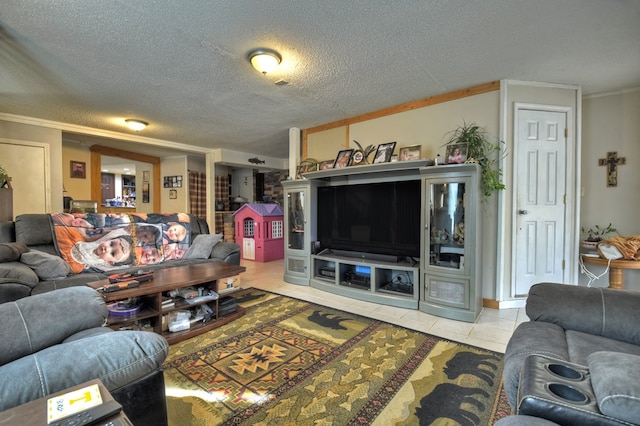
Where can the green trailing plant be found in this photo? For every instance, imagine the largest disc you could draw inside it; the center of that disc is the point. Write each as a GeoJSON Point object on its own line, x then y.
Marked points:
{"type": "Point", "coordinates": [5, 179]}
{"type": "Point", "coordinates": [597, 233]}
{"type": "Point", "coordinates": [481, 150]}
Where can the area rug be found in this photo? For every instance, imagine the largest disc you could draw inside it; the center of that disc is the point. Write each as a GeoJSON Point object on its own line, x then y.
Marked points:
{"type": "Point", "coordinates": [291, 362]}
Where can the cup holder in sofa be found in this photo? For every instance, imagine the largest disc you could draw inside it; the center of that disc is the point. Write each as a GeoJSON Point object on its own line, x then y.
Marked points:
{"type": "Point", "coordinates": [559, 391]}
{"type": "Point", "coordinates": [568, 393]}
{"type": "Point", "coordinates": [564, 371]}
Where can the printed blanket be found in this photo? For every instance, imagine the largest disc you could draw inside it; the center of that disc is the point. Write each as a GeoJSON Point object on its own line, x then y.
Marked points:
{"type": "Point", "coordinates": [105, 242]}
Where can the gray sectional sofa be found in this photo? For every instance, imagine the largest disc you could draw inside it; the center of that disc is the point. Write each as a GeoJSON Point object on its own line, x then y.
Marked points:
{"type": "Point", "coordinates": [56, 340]}
{"type": "Point", "coordinates": [32, 276]}
{"type": "Point", "coordinates": [577, 361]}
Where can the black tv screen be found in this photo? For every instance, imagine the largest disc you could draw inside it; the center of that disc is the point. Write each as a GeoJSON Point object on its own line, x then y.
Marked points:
{"type": "Point", "coordinates": [378, 218]}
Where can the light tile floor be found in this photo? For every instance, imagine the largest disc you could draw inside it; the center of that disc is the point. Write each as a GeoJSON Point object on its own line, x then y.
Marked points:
{"type": "Point", "coordinates": [491, 330]}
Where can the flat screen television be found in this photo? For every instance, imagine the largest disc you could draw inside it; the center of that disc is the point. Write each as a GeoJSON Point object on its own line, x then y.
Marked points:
{"type": "Point", "coordinates": [376, 218]}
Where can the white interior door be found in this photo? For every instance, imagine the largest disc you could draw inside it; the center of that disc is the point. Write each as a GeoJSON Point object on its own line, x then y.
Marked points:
{"type": "Point", "coordinates": [540, 151]}
{"type": "Point", "coordinates": [28, 165]}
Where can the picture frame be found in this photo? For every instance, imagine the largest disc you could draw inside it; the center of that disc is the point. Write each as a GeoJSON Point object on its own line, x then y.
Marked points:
{"type": "Point", "coordinates": [145, 192]}
{"type": "Point", "coordinates": [408, 153]}
{"type": "Point", "coordinates": [78, 169]}
{"type": "Point", "coordinates": [384, 152]}
{"type": "Point", "coordinates": [326, 165]}
{"type": "Point", "coordinates": [299, 171]}
{"type": "Point", "coordinates": [456, 153]}
{"type": "Point", "coordinates": [173, 194]}
{"type": "Point", "coordinates": [343, 158]}
{"type": "Point", "coordinates": [145, 176]}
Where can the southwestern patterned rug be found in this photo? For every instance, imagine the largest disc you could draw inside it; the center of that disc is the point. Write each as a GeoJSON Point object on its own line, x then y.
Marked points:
{"type": "Point", "coordinates": [290, 362]}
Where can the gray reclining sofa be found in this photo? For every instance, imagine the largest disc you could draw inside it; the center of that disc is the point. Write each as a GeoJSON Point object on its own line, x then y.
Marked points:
{"type": "Point", "coordinates": [56, 340]}
{"type": "Point", "coordinates": [19, 280]}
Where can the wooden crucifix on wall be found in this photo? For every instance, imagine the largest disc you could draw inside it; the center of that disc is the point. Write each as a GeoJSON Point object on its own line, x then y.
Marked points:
{"type": "Point", "coordinates": [612, 162]}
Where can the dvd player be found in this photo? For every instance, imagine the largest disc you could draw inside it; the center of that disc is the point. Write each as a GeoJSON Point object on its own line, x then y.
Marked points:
{"type": "Point", "coordinates": [328, 272]}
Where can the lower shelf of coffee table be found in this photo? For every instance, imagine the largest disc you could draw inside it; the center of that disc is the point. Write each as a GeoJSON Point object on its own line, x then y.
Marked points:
{"type": "Point", "coordinates": [199, 328]}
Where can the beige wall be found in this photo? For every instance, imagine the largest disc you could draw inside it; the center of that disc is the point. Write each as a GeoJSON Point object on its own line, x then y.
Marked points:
{"type": "Point", "coordinates": [429, 127]}
{"type": "Point", "coordinates": [174, 166]}
{"type": "Point", "coordinates": [78, 189]}
{"type": "Point", "coordinates": [611, 122]}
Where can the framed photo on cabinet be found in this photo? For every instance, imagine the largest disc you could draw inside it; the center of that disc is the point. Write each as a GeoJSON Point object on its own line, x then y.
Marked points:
{"type": "Point", "coordinates": [456, 154]}
{"type": "Point", "coordinates": [327, 164]}
{"type": "Point", "coordinates": [384, 152]}
{"type": "Point", "coordinates": [410, 152]}
{"type": "Point", "coordinates": [342, 160]}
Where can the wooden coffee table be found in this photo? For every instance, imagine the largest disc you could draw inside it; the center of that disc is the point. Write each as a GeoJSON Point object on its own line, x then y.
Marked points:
{"type": "Point", "coordinates": [165, 280]}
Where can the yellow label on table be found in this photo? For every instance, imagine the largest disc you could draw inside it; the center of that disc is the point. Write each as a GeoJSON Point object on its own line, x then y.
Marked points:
{"type": "Point", "coordinates": [74, 402]}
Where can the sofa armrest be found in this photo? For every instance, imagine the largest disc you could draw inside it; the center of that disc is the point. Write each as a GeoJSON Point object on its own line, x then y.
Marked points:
{"type": "Point", "coordinates": [599, 311]}
{"type": "Point", "coordinates": [227, 252]}
{"type": "Point", "coordinates": [37, 322]}
{"type": "Point", "coordinates": [117, 358]}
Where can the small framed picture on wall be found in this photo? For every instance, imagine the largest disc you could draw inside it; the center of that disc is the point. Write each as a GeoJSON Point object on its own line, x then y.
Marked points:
{"type": "Point", "coordinates": [78, 169]}
{"type": "Point", "coordinates": [173, 194]}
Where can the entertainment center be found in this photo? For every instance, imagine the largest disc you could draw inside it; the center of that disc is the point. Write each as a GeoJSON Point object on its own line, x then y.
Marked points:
{"type": "Point", "coordinates": [403, 234]}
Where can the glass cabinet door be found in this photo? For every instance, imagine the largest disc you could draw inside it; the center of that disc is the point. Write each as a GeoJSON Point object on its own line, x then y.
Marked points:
{"type": "Point", "coordinates": [296, 220]}
{"type": "Point", "coordinates": [447, 214]}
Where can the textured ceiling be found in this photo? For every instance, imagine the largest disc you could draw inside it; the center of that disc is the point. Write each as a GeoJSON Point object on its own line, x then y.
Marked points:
{"type": "Point", "coordinates": [181, 65]}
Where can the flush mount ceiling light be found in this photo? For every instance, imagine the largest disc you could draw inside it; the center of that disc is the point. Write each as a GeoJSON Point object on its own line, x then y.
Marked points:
{"type": "Point", "coordinates": [264, 60]}
{"type": "Point", "coordinates": [136, 125]}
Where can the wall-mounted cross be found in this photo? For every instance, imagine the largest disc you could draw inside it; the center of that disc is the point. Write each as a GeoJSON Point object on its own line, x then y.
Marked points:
{"type": "Point", "coordinates": [612, 162]}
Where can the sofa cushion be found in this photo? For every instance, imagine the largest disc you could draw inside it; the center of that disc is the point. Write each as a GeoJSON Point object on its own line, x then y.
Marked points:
{"type": "Point", "coordinates": [581, 345]}
{"type": "Point", "coordinates": [47, 266]}
{"type": "Point", "coordinates": [16, 272]}
{"type": "Point", "coordinates": [202, 246]}
{"type": "Point", "coordinates": [10, 252]}
{"type": "Point", "coordinates": [615, 378]}
{"type": "Point", "coordinates": [34, 229]}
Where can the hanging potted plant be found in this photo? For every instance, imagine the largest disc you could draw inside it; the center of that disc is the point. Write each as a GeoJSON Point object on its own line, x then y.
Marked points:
{"type": "Point", "coordinates": [480, 149]}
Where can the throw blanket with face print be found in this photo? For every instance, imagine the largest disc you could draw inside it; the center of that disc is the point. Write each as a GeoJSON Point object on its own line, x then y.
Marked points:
{"type": "Point", "coordinates": [106, 242]}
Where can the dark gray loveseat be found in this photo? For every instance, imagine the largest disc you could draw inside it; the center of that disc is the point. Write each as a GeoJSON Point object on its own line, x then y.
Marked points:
{"type": "Point", "coordinates": [595, 331]}
{"type": "Point", "coordinates": [19, 280]}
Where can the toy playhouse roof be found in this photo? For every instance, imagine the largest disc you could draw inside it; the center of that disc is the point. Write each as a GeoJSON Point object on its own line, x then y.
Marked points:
{"type": "Point", "coordinates": [263, 209]}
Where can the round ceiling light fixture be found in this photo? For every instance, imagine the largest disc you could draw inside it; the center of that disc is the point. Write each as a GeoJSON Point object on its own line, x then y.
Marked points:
{"type": "Point", "coordinates": [264, 60]}
{"type": "Point", "coordinates": [136, 125]}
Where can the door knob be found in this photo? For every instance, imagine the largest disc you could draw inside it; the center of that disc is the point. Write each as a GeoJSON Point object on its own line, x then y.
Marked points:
{"type": "Point", "coordinates": [523, 212]}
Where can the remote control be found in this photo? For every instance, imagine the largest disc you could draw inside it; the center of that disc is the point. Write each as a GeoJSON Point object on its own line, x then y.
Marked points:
{"type": "Point", "coordinates": [92, 415]}
{"type": "Point", "coordinates": [120, 286]}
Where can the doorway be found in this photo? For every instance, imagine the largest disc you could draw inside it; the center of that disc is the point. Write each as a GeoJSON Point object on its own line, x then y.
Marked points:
{"type": "Point", "coordinates": [97, 151]}
{"type": "Point", "coordinates": [540, 199]}
{"type": "Point", "coordinates": [108, 184]}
